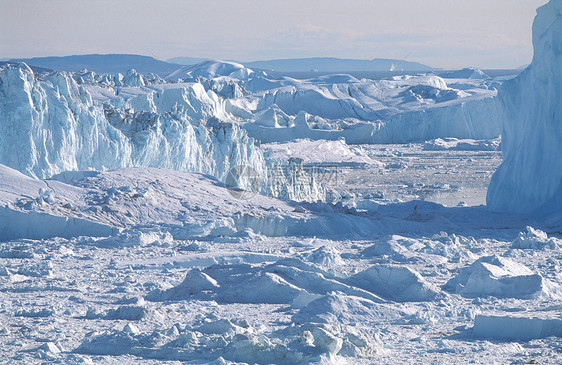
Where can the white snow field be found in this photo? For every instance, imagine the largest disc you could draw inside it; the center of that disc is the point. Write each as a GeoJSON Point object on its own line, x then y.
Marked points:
{"type": "Point", "coordinates": [220, 215]}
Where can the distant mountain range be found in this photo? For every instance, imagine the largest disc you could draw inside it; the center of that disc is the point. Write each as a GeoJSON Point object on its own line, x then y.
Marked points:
{"type": "Point", "coordinates": [113, 63]}
{"type": "Point", "coordinates": [109, 63]}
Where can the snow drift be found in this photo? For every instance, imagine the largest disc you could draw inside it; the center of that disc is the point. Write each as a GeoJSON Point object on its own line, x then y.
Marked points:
{"type": "Point", "coordinates": [529, 181]}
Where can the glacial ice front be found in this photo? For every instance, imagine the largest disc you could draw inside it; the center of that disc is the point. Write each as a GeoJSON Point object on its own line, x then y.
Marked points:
{"type": "Point", "coordinates": [53, 125]}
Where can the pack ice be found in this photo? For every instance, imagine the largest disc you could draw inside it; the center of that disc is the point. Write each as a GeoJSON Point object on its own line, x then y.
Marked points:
{"type": "Point", "coordinates": [121, 240]}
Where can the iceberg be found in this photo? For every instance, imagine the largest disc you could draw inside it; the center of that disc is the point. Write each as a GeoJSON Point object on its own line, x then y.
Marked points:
{"type": "Point", "coordinates": [529, 181]}
{"type": "Point", "coordinates": [50, 124]}
{"type": "Point", "coordinates": [400, 110]}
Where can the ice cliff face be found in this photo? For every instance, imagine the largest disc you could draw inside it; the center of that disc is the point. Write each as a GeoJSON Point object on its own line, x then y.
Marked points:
{"type": "Point", "coordinates": [53, 125]}
{"type": "Point", "coordinates": [50, 124]}
{"type": "Point", "coordinates": [529, 181]}
{"type": "Point", "coordinates": [205, 118]}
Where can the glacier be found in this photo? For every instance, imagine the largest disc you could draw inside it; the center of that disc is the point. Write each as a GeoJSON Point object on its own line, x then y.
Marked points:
{"type": "Point", "coordinates": [52, 124]}
{"type": "Point", "coordinates": [396, 110]}
{"type": "Point", "coordinates": [529, 181]}
{"type": "Point", "coordinates": [211, 117]}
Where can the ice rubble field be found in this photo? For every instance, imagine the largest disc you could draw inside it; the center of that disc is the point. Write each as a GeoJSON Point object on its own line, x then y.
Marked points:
{"type": "Point", "coordinates": [123, 239]}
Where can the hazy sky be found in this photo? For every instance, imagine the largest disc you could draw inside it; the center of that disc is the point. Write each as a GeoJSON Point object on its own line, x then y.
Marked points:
{"type": "Point", "coordinates": [440, 33]}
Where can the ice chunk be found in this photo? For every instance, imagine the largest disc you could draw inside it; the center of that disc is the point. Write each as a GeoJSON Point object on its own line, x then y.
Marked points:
{"type": "Point", "coordinates": [194, 283]}
{"type": "Point", "coordinates": [326, 341]}
{"type": "Point", "coordinates": [222, 326]}
{"type": "Point", "coordinates": [326, 256]}
{"type": "Point", "coordinates": [466, 73]}
{"type": "Point", "coordinates": [48, 350]}
{"type": "Point", "coordinates": [499, 277]}
{"type": "Point", "coordinates": [516, 327]}
{"type": "Point", "coordinates": [455, 144]}
{"type": "Point", "coordinates": [131, 329]}
{"type": "Point", "coordinates": [397, 283]}
{"type": "Point", "coordinates": [211, 69]}
{"type": "Point", "coordinates": [535, 239]}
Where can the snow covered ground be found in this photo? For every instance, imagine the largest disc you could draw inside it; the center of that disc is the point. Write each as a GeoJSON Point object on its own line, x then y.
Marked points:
{"type": "Point", "coordinates": [221, 215]}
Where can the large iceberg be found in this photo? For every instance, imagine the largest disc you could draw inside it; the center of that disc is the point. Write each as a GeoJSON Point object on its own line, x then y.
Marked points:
{"type": "Point", "coordinates": [529, 181]}
{"type": "Point", "coordinates": [398, 110]}
{"type": "Point", "coordinates": [53, 125]}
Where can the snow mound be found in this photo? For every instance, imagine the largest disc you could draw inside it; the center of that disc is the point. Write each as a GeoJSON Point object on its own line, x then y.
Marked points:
{"type": "Point", "coordinates": [325, 256]}
{"type": "Point", "coordinates": [400, 284]}
{"type": "Point", "coordinates": [535, 239]}
{"type": "Point", "coordinates": [102, 204]}
{"type": "Point", "coordinates": [529, 181]}
{"type": "Point", "coordinates": [396, 248]}
{"type": "Point", "coordinates": [499, 277]}
{"type": "Point", "coordinates": [334, 308]}
{"type": "Point", "coordinates": [516, 327]}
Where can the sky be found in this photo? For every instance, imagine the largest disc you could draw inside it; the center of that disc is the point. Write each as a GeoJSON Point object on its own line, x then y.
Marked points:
{"type": "Point", "coordinates": [440, 33]}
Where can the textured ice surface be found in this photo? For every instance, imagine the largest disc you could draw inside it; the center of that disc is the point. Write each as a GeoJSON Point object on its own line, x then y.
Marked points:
{"type": "Point", "coordinates": [184, 271]}
{"type": "Point", "coordinates": [403, 109]}
{"type": "Point", "coordinates": [54, 125]}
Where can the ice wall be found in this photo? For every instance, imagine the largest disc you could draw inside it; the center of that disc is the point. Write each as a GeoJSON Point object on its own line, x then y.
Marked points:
{"type": "Point", "coordinates": [529, 181]}
{"type": "Point", "coordinates": [53, 125]}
